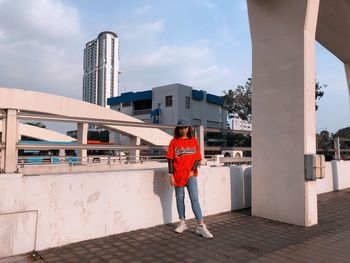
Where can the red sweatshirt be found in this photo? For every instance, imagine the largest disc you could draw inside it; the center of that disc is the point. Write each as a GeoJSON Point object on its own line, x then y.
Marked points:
{"type": "Point", "coordinates": [184, 152]}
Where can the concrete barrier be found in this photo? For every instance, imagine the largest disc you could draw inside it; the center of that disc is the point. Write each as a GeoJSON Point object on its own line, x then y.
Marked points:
{"type": "Point", "coordinates": [72, 207]}
{"type": "Point", "coordinates": [341, 174]}
{"type": "Point", "coordinates": [81, 206]}
{"type": "Point", "coordinates": [337, 177]}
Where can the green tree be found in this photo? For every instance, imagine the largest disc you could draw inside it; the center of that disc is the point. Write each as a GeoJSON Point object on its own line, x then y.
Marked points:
{"type": "Point", "coordinates": [343, 133]}
{"type": "Point", "coordinates": [324, 141]}
{"type": "Point", "coordinates": [239, 100]}
{"type": "Point", "coordinates": [319, 92]}
{"type": "Point", "coordinates": [37, 124]}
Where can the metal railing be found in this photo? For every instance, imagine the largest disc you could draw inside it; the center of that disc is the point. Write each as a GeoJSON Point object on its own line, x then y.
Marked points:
{"type": "Point", "coordinates": [116, 157]}
{"type": "Point", "coordinates": [338, 149]}
{"type": "Point", "coordinates": [119, 154]}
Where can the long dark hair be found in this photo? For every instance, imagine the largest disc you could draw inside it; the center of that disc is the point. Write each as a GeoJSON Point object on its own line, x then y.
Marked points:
{"type": "Point", "coordinates": [178, 135]}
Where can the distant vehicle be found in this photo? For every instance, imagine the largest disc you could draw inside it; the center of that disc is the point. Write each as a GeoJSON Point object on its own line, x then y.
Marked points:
{"type": "Point", "coordinates": [231, 153]}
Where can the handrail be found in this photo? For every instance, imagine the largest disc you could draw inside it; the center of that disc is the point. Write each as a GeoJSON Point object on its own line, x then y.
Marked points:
{"type": "Point", "coordinates": [331, 150]}
{"type": "Point", "coordinates": [37, 116]}
{"type": "Point", "coordinates": [21, 146]}
{"type": "Point", "coordinates": [222, 148]}
{"type": "Point", "coordinates": [47, 117]}
{"type": "Point", "coordinates": [86, 146]}
{"type": "Point", "coordinates": [235, 160]}
{"type": "Point", "coordinates": [217, 130]}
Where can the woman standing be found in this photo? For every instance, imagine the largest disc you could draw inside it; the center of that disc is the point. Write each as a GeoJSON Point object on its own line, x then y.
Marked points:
{"type": "Point", "coordinates": [183, 158]}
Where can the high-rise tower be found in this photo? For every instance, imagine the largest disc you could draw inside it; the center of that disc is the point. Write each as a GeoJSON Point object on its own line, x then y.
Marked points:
{"type": "Point", "coordinates": [101, 68]}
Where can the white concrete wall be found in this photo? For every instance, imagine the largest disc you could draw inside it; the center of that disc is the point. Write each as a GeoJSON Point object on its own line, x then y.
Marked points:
{"type": "Point", "coordinates": [337, 177]}
{"type": "Point", "coordinates": [81, 206]}
{"type": "Point", "coordinates": [341, 174]}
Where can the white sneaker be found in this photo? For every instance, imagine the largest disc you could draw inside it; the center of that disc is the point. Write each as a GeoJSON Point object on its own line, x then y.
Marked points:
{"type": "Point", "coordinates": [181, 227]}
{"type": "Point", "coordinates": [203, 231]}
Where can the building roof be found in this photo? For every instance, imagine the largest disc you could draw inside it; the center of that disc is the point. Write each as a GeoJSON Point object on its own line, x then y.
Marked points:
{"type": "Point", "coordinates": [108, 32]}
{"type": "Point", "coordinates": [130, 96]}
{"type": "Point", "coordinates": [147, 95]}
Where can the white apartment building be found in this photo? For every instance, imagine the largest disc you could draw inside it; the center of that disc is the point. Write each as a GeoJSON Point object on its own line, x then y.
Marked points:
{"type": "Point", "coordinates": [239, 124]}
{"type": "Point", "coordinates": [167, 104]}
{"type": "Point", "coordinates": [101, 68]}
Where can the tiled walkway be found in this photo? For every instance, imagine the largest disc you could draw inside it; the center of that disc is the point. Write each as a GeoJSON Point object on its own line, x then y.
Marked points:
{"type": "Point", "coordinates": [238, 237]}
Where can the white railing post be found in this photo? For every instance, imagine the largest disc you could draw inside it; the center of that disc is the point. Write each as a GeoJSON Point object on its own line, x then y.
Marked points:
{"type": "Point", "coordinates": [2, 151]}
{"type": "Point", "coordinates": [135, 141]}
{"type": "Point", "coordinates": [82, 139]}
{"type": "Point", "coordinates": [62, 156]}
{"type": "Point", "coordinates": [10, 136]}
{"type": "Point", "coordinates": [337, 148]}
{"type": "Point", "coordinates": [200, 138]}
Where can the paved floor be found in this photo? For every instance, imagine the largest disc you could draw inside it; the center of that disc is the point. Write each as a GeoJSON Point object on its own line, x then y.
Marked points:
{"type": "Point", "coordinates": [238, 237]}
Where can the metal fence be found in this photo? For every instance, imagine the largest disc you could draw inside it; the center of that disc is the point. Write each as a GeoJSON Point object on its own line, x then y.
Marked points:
{"type": "Point", "coordinates": [128, 154]}
{"type": "Point", "coordinates": [51, 154]}
{"type": "Point", "coordinates": [340, 151]}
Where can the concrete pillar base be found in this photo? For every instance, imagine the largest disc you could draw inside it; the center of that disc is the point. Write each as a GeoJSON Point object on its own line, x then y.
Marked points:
{"type": "Point", "coordinates": [283, 41]}
{"type": "Point", "coordinates": [11, 138]}
{"type": "Point", "coordinates": [135, 154]}
{"type": "Point", "coordinates": [82, 139]}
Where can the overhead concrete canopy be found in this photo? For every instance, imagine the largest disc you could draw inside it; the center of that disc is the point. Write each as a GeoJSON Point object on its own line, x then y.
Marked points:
{"type": "Point", "coordinates": [333, 27]}
{"type": "Point", "coordinates": [62, 106]}
{"type": "Point", "coordinates": [41, 133]}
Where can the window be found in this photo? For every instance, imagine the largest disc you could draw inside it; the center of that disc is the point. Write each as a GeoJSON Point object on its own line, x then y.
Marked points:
{"type": "Point", "coordinates": [143, 105]}
{"type": "Point", "coordinates": [168, 101]}
{"type": "Point", "coordinates": [126, 104]}
{"type": "Point", "coordinates": [188, 103]}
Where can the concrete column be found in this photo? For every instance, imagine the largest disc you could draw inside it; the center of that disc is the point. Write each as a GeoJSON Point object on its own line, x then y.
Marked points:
{"type": "Point", "coordinates": [10, 129]}
{"type": "Point", "coordinates": [283, 42]}
{"type": "Point", "coordinates": [82, 139]}
{"type": "Point", "coordinates": [135, 154]}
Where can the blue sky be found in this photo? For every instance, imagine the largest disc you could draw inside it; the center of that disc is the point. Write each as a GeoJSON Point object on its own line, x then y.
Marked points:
{"type": "Point", "coordinates": [201, 43]}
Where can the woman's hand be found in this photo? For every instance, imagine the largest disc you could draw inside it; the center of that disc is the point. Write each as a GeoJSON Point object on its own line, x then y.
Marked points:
{"type": "Point", "coordinates": [171, 180]}
{"type": "Point", "coordinates": [190, 174]}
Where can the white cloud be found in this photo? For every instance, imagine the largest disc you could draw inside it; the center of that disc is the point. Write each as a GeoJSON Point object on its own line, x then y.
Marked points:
{"type": "Point", "coordinates": [207, 3]}
{"type": "Point", "coordinates": [157, 26]}
{"type": "Point", "coordinates": [243, 6]}
{"type": "Point", "coordinates": [193, 64]}
{"type": "Point", "coordinates": [36, 40]}
{"type": "Point", "coordinates": [167, 55]}
{"type": "Point", "coordinates": [145, 32]}
{"type": "Point", "coordinates": [41, 68]}
{"type": "Point", "coordinates": [40, 20]}
{"type": "Point", "coordinates": [142, 10]}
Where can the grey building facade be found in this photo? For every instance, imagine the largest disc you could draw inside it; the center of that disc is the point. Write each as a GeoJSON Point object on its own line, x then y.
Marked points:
{"type": "Point", "coordinates": [166, 104]}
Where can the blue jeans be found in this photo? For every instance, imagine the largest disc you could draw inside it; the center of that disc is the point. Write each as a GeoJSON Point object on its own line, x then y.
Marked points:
{"type": "Point", "coordinates": [192, 189]}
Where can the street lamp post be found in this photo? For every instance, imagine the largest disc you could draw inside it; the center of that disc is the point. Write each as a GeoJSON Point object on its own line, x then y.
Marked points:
{"type": "Point", "coordinates": [159, 103]}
